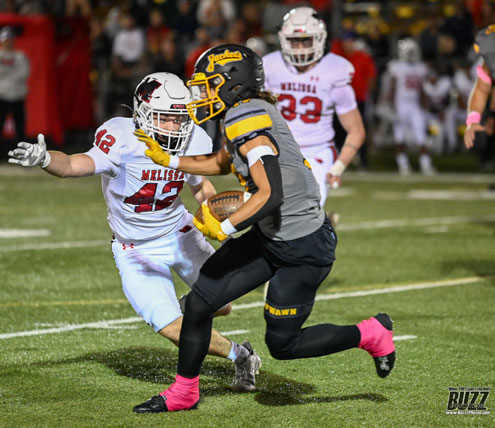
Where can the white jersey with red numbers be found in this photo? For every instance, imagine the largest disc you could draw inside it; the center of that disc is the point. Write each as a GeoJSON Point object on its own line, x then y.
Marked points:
{"type": "Point", "coordinates": [142, 197]}
{"type": "Point", "coordinates": [308, 100]}
{"type": "Point", "coordinates": [409, 78]}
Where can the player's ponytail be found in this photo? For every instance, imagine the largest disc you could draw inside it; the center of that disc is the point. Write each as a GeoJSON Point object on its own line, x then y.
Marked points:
{"type": "Point", "coordinates": [267, 96]}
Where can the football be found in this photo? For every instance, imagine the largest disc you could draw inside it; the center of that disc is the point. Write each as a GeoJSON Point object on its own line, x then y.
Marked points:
{"type": "Point", "coordinates": [224, 204]}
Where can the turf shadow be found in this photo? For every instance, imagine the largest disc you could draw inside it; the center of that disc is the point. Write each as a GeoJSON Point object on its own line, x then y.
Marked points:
{"type": "Point", "coordinates": [159, 365]}
{"type": "Point", "coordinates": [483, 267]}
{"type": "Point", "coordinates": [286, 399]}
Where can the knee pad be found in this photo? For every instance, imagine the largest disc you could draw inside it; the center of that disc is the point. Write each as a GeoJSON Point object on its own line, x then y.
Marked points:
{"type": "Point", "coordinates": [283, 326]}
{"type": "Point", "coordinates": [197, 307]}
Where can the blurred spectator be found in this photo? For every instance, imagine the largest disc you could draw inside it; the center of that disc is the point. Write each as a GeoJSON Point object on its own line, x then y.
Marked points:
{"type": "Point", "coordinates": [8, 6]}
{"type": "Point", "coordinates": [210, 9]}
{"type": "Point", "coordinates": [140, 10]}
{"type": "Point", "coordinates": [129, 43]}
{"type": "Point", "coordinates": [81, 8]}
{"type": "Point", "coordinates": [488, 13]}
{"type": "Point", "coordinates": [14, 73]}
{"type": "Point", "coordinates": [127, 54]}
{"type": "Point", "coordinates": [447, 46]}
{"type": "Point", "coordinates": [251, 15]}
{"type": "Point", "coordinates": [203, 42]}
{"type": "Point", "coordinates": [363, 81]}
{"type": "Point", "coordinates": [214, 16]}
{"type": "Point", "coordinates": [271, 13]}
{"type": "Point", "coordinates": [155, 31]}
{"type": "Point", "coordinates": [236, 33]}
{"type": "Point", "coordinates": [428, 39]}
{"type": "Point", "coordinates": [101, 51]}
{"type": "Point", "coordinates": [112, 22]}
{"type": "Point", "coordinates": [378, 45]}
{"type": "Point", "coordinates": [169, 57]}
{"type": "Point", "coordinates": [460, 27]}
{"type": "Point", "coordinates": [185, 22]}
{"type": "Point", "coordinates": [101, 45]}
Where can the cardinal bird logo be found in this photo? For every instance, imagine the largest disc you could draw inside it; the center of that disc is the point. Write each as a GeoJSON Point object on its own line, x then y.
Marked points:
{"type": "Point", "coordinates": [145, 90]}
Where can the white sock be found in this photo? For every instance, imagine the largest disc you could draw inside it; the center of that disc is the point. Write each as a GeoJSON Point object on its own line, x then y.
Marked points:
{"type": "Point", "coordinates": [402, 160]}
{"type": "Point", "coordinates": [425, 161]}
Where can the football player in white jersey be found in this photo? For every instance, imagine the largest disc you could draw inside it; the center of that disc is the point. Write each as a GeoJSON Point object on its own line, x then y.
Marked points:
{"type": "Point", "coordinates": [152, 230]}
{"type": "Point", "coordinates": [311, 86]}
{"type": "Point", "coordinates": [407, 76]}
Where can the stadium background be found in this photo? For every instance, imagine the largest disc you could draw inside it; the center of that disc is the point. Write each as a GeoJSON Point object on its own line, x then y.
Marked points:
{"type": "Point", "coordinates": [80, 78]}
{"type": "Point", "coordinates": [73, 351]}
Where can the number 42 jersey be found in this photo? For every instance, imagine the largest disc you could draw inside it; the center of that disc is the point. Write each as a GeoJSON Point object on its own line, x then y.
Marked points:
{"type": "Point", "coordinates": [308, 100]}
{"type": "Point", "coordinates": [142, 197]}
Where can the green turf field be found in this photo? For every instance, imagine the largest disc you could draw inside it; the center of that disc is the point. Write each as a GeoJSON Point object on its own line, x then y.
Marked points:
{"type": "Point", "coordinates": [73, 353]}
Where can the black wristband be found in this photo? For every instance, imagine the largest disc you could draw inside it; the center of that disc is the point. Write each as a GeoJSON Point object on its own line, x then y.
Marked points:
{"type": "Point", "coordinates": [491, 113]}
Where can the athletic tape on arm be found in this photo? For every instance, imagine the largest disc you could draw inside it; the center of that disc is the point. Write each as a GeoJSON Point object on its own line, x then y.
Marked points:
{"type": "Point", "coordinates": [256, 153]}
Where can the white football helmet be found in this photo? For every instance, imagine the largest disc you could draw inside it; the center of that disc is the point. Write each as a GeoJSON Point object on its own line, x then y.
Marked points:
{"type": "Point", "coordinates": [302, 23]}
{"type": "Point", "coordinates": [408, 50]}
{"type": "Point", "coordinates": [163, 94]}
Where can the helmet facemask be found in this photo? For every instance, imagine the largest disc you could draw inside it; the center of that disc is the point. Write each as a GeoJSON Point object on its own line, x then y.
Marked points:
{"type": "Point", "coordinates": [302, 37]}
{"type": "Point", "coordinates": [408, 50]}
{"type": "Point", "coordinates": [162, 98]}
{"type": "Point", "coordinates": [305, 53]}
{"type": "Point", "coordinates": [206, 101]}
{"type": "Point", "coordinates": [171, 141]}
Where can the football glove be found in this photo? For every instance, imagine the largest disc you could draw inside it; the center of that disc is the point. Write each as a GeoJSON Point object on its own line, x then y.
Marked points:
{"type": "Point", "coordinates": [211, 226]}
{"type": "Point", "coordinates": [26, 154]}
{"type": "Point", "coordinates": [155, 152]}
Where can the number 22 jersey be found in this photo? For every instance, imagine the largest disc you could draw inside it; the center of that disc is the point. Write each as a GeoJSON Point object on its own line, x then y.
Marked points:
{"type": "Point", "coordinates": [142, 197]}
{"type": "Point", "coordinates": [308, 100]}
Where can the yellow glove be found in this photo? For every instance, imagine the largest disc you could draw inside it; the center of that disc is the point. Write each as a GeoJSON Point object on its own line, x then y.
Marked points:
{"type": "Point", "coordinates": [155, 152]}
{"type": "Point", "coordinates": [210, 226]}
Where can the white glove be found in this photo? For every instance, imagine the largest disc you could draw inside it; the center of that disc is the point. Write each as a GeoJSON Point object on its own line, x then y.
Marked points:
{"type": "Point", "coordinates": [27, 154]}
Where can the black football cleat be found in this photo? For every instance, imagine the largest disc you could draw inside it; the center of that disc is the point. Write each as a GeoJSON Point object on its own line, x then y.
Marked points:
{"type": "Point", "coordinates": [157, 404]}
{"type": "Point", "coordinates": [385, 364]}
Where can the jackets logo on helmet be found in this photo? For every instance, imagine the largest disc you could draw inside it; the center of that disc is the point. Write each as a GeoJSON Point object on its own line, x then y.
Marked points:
{"type": "Point", "coordinates": [222, 59]}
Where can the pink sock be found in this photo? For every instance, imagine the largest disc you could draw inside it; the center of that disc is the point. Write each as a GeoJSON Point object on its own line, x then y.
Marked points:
{"type": "Point", "coordinates": [182, 394]}
{"type": "Point", "coordinates": [375, 338]}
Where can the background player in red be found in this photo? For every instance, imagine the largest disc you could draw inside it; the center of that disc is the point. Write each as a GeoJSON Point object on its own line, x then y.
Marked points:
{"type": "Point", "coordinates": [311, 86]}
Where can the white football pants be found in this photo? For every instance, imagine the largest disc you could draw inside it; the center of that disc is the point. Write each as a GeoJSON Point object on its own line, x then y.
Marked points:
{"type": "Point", "coordinates": [145, 271]}
{"type": "Point", "coordinates": [410, 124]}
{"type": "Point", "coordinates": [321, 158]}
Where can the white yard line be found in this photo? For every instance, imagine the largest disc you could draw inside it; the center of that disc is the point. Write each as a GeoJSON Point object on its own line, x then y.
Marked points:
{"type": "Point", "coordinates": [23, 233]}
{"type": "Point", "coordinates": [233, 332]}
{"type": "Point", "coordinates": [342, 227]}
{"type": "Point", "coordinates": [393, 177]}
{"type": "Point", "coordinates": [405, 337]}
{"type": "Point", "coordinates": [394, 289]}
{"type": "Point", "coordinates": [55, 245]}
{"type": "Point", "coordinates": [430, 221]}
{"type": "Point", "coordinates": [435, 195]}
{"type": "Point", "coordinates": [331, 296]}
